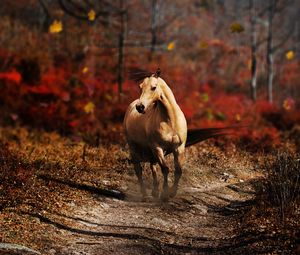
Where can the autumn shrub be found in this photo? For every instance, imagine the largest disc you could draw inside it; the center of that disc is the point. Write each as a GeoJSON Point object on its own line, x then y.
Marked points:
{"type": "Point", "coordinates": [294, 135]}
{"type": "Point", "coordinates": [275, 212]}
{"type": "Point", "coordinates": [253, 130]}
{"type": "Point", "coordinates": [30, 70]}
{"type": "Point", "coordinates": [76, 98]}
{"type": "Point", "coordinates": [77, 103]}
{"type": "Point", "coordinates": [268, 124]}
{"type": "Point", "coordinates": [281, 187]}
{"type": "Point", "coordinates": [72, 103]}
{"type": "Point", "coordinates": [7, 60]}
{"type": "Point", "coordinates": [289, 82]}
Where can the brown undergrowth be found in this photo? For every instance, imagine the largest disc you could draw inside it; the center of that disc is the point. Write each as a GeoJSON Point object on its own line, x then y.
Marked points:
{"type": "Point", "coordinates": [276, 208]}
{"type": "Point", "coordinates": [25, 156]}
{"type": "Point", "coordinates": [44, 173]}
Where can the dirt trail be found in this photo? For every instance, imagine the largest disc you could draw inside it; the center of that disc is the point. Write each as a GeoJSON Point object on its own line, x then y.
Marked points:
{"type": "Point", "coordinates": [200, 220]}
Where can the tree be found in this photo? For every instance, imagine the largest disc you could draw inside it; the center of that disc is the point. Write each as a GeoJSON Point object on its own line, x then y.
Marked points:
{"type": "Point", "coordinates": [253, 51]}
{"type": "Point", "coordinates": [154, 26]}
{"type": "Point", "coordinates": [288, 30]}
{"type": "Point", "coordinates": [270, 50]}
{"type": "Point", "coordinates": [276, 37]}
{"type": "Point", "coordinates": [81, 10]}
{"type": "Point", "coordinates": [121, 47]}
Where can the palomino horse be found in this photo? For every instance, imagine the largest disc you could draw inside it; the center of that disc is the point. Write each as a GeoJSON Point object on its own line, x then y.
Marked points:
{"type": "Point", "coordinates": [155, 126]}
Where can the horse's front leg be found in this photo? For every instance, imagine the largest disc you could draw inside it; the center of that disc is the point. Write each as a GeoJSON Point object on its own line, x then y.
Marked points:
{"type": "Point", "coordinates": [165, 171]}
{"type": "Point", "coordinates": [138, 171]}
{"type": "Point", "coordinates": [178, 162]}
{"type": "Point", "coordinates": [155, 191]}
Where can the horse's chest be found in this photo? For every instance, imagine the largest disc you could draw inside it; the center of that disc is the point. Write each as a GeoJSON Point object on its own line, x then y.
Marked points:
{"type": "Point", "coordinates": [161, 133]}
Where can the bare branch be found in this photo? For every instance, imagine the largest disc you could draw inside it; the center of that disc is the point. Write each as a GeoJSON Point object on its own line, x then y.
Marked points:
{"type": "Point", "coordinates": [263, 12]}
{"type": "Point", "coordinates": [170, 21]}
{"type": "Point", "coordinates": [264, 40]}
{"type": "Point", "coordinates": [287, 36]}
{"type": "Point", "coordinates": [276, 8]}
{"type": "Point", "coordinates": [88, 4]}
{"type": "Point", "coordinates": [286, 3]}
{"type": "Point", "coordinates": [111, 6]}
{"type": "Point", "coordinates": [77, 6]}
{"type": "Point", "coordinates": [45, 9]}
{"type": "Point", "coordinates": [82, 13]}
{"type": "Point", "coordinates": [69, 12]}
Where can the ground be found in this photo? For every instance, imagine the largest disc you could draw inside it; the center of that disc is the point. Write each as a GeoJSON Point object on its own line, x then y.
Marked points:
{"type": "Point", "coordinates": [85, 200]}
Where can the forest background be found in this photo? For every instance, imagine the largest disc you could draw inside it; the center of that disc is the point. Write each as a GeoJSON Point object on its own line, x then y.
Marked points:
{"type": "Point", "coordinates": [64, 64]}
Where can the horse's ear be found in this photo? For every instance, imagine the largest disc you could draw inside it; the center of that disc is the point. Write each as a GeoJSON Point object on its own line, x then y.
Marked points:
{"type": "Point", "coordinates": [157, 73]}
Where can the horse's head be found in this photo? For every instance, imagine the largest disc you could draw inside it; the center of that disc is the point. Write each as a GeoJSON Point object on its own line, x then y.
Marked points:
{"type": "Point", "coordinates": [151, 92]}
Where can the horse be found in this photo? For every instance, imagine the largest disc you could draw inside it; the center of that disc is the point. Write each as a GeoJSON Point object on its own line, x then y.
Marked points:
{"type": "Point", "coordinates": [155, 126]}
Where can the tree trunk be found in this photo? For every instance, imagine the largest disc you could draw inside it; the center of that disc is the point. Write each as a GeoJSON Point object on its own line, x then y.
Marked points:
{"type": "Point", "coordinates": [270, 58]}
{"type": "Point", "coordinates": [154, 15]}
{"type": "Point", "coordinates": [121, 50]}
{"type": "Point", "coordinates": [45, 19]}
{"type": "Point", "coordinates": [120, 64]}
{"type": "Point", "coordinates": [297, 38]}
{"type": "Point", "coordinates": [253, 51]}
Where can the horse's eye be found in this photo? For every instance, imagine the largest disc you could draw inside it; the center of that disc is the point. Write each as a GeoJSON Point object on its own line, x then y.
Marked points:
{"type": "Point", "coordinates": [153, 88]}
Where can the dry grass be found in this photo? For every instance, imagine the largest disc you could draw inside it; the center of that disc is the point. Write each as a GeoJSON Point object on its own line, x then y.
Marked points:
{"type": "Point", "coordinates": [282, 185]}
{"type": "Point", "coordinates": [276, 211]}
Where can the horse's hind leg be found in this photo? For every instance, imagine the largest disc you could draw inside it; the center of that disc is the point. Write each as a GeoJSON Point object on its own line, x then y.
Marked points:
{"type": "Point", "coordinates": [138, 171]}
{"type": "Point", "coordinates": [178, 161]}
{"type": "Point", "coordinates": [155, 181]}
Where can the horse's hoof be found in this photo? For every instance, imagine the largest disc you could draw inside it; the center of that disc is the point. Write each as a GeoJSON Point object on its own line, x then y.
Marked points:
{"type": "Point", "coordinates": [173, 192]}
{"type": "Point", "coordinates": [155, 193]}
{"type": "Point", "coordinates": [164, 197]}
{"type": "Point", "coordinates": [144, 195]}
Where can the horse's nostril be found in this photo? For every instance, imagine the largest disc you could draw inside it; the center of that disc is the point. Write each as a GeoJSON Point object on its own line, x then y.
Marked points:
{"type": "Point", "coordinates": [140, 108]}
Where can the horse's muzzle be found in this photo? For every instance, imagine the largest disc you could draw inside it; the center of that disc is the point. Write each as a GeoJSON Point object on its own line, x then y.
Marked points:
{"type": "Point", "coordinates": [140, 108]}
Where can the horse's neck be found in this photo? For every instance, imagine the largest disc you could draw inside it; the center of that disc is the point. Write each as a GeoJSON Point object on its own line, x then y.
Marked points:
{"type": "Point", "coordinates": [170, 105]}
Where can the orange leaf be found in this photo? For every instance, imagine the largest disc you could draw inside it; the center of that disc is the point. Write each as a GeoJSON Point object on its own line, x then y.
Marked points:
{"type": "Point", "coordinates": [89, 107]}
{"type": "Point", "coordinates": [171, 46]}
{"type": "Point", "coordinates": [56, 27]}
{"type": "Point", "coordinates": [92, 15]}
{"type": "Point", "coordinates": [290, 55]}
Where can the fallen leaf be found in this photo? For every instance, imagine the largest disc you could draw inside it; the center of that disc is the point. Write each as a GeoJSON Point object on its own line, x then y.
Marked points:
{"type": "Point", "coordinates": [288, 104]}
{"type": "Point", "coordinates": [203, 45]}
{"type": "Point", "coordinates": [85, 69]}
{"type": "Point", "coordinates": [92, 15]}
{"type": "Point", "coordinates": [236, 27]}
{"type": "Point", "coordinates": [89, 107]}
{"type": "Point", "coordinates": [171, 46]}
{"type": "Point", "coordinates": [290, 55]}
{"type": "Point", "coordinates": [56, 27]}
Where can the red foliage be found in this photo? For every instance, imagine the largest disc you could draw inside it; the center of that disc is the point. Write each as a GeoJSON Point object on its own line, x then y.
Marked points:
{"type": "Point", "coordinates": [290, 74]}
{"type": "Point", "coordinates": [264, 107]}
{"type": "Point", "coordinates": [59, 99]}
{"type": "Point", "coordinates": [12, 76]}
